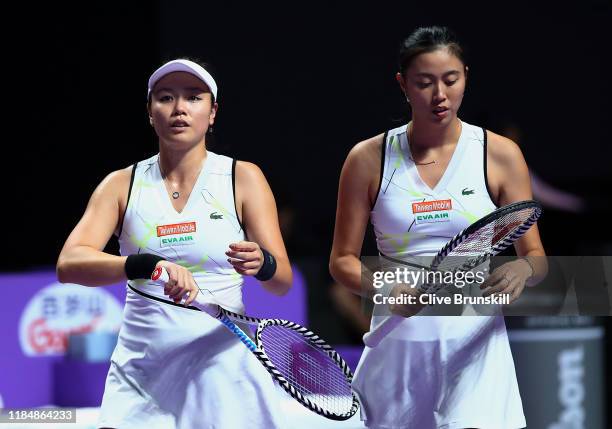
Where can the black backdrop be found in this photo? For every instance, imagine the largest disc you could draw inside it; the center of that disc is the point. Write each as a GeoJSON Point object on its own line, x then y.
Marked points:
{"type": "Point", "coordinates": [298, 86]}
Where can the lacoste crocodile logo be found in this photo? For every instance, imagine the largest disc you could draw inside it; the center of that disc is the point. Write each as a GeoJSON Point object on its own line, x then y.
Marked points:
{"type": "Point", "coordinates": [214, 215]}
{"type": "Point", "coordinates": [466, 191]}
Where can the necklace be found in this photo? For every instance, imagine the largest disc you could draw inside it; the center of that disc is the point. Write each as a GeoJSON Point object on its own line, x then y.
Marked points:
{"type": "Point", "coordinates": [176, 194]}
{"type": "Point", "coordinates": [410, 147]}
{"type": "Point", "coordinates": [421, 163]}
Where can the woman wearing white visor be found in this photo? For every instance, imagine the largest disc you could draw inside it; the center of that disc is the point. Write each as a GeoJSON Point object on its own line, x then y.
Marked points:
{"type": "Point", "coordinates": [189, 210]}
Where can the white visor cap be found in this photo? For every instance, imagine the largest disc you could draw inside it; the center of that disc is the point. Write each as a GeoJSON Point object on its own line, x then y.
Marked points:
{"type": "Point", "coordinates": [183, 66]}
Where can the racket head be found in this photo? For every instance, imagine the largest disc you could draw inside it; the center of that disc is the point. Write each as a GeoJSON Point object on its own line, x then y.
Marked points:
{"type": "Point", "coordinates": [488, 236]}
{"type": "Point", "coordinates": [307, 368]}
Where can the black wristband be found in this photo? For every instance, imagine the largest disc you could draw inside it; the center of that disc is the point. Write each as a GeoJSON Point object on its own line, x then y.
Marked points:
{"type": "Point", "coordinates": [268, 268]}
{"type": "Point", "coordinates": [141, 266]}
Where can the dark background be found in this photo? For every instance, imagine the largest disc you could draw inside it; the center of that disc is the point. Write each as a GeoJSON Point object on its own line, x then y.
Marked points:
{"type": "Point", "coordinates": [298, 87]}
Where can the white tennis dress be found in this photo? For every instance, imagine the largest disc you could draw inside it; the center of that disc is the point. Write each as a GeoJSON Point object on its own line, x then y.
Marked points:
{"type": "Point", "coordinates": [442, 372]}
{"type": "Point", "coordinates": [175, 367]}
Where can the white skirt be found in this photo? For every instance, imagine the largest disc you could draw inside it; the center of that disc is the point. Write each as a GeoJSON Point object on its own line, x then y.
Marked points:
{"type": "Point", "coordinates": [448, 383]}
{"type": "Point", "coordinates": [179, 368]}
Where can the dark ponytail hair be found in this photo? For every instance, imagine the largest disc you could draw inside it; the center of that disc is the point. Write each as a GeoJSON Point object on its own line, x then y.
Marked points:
{"type": "Point", "coordinates": [428, 39]}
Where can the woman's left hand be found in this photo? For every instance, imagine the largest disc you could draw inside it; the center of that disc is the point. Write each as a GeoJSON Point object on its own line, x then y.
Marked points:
{"type": "Point", "coordinates": [246, 257]}
{"type": "Point", "coordinates": [509, 279]}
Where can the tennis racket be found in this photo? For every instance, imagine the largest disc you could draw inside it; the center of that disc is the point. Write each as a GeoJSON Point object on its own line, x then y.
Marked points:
{"type": "Point", "coordinates": [473, 246]}
{"type": "Point", "coordinates": [304, 365]}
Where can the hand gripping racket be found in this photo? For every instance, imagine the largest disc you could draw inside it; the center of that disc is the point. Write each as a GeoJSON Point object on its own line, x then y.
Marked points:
{"type": "Point", "coordinates": [305, 366]}
{"type": "Point", "coordinates": [473, 246]}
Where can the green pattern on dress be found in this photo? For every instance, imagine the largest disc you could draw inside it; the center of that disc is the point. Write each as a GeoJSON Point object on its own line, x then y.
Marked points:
{"type": "Point", "coordinates": [416, 194]}
{"type": "Point", "coordinates": [138, 184]}
{"type": "Point", "coordinates": [400, 241]}
{"type": "Point", "coordinates": [396, 151]}
{"type": "Point", "coordinates": [198, 267]}
{"type": "Point", "coordinates": [218, 206]}
{"type": "Point", "coordinates": [471, 217]}
{"type": "Point", "coordinates": [143, 241]}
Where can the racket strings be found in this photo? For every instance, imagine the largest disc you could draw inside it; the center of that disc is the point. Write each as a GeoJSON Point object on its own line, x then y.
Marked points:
{"type": "Point", "coordinates": [309, 369]}
{"type": "Point", "coordinates": [487, 241]}
{"type": "Point", "coordinates": [487, 238]}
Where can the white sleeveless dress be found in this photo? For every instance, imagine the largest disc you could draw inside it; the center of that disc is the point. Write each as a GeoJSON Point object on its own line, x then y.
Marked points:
{"type": "Point", "coordinates": [174, 367]}
{"type": "Point", "coordinates": [436, 371]}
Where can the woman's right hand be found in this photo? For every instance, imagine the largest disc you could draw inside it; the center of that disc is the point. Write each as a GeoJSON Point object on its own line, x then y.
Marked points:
{"type": "Point", "coordinates": [405, 291]}
{"type": "Point", "coordinates": [181, 284]}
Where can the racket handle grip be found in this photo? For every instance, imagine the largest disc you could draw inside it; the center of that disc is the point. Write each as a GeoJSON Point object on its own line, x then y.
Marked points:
{"type": "Point", "coordinates": [373, 338]}
{"type": "Point", "coordinates": [161, 275]}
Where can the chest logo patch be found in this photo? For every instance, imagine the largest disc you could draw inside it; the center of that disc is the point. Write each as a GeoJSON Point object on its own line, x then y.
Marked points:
{"type": "Point", "coordinates": [432, 211]}
{"type": "Point", "coordinates": [176, 228]}
{"type": "Point", "coordinates": [176, 234]}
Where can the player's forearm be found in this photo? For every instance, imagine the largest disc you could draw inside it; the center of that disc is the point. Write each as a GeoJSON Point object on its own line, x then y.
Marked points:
{"type": "Point", "coordinates": [539, 264]}
{"type": "Point", "coordinates": [346, 270]}
{"type": "Point", "coordinates": [282, 280]}
{"type": "Point", "coordinates": [90, 267]}
{"type": "Point", "coordinates": [349, 306]}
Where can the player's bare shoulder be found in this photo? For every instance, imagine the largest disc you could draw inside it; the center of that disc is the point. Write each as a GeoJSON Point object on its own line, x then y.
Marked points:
{"type": "Point", "coordinates": [250, 180]}
{"type": "Point", "coordinates": [502, 151]}
{"type": "Point", "coordinates": [114, 189]}
{"type": "Point", "coordinates": [361, 169]}
{"type": "Point", "coordinates": [506, 168]}
{"type": "Point", "coordinates": [367, 151]}
{"type": "Point", "coordinates": [248, 172]}
{"type": "Point", "coordinates": [250, 186]}
{"type": "Point", "coordinates": [364, 159]}
{"type": "Point", "coordinates": [117, 183]}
